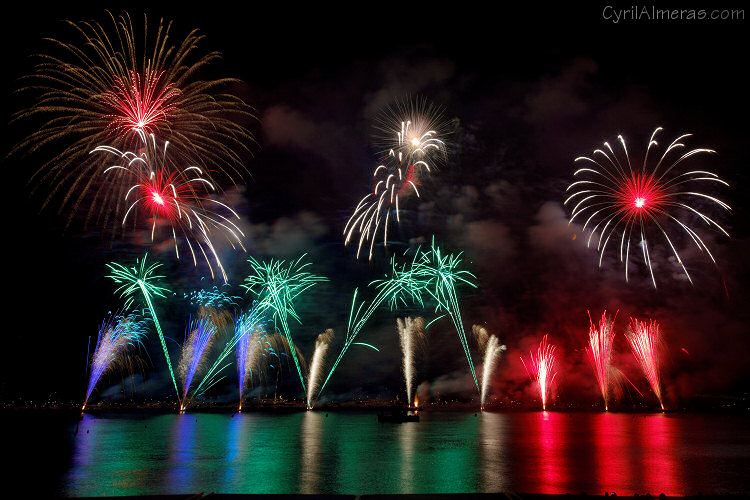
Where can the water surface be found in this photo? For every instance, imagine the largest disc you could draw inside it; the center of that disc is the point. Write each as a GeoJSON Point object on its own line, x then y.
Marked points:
{"type": "Point", "coordinates": [349, 452]}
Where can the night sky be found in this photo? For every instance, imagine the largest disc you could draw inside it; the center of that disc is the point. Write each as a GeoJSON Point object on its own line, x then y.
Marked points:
{"type": "Point", "coordinates": [525, 90]}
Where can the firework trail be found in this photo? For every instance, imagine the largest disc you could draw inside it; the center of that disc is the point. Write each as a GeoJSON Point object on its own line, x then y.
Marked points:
{"type": "Point", "coordinates": [250, 334]}
{"type": "Point", "coordinates": [316, 364]}
{"type": "Point", "coordinates": [411, 136]}
{"type": "Point", "coordinates": [179, 199]}
{"type": "Point", "coordinates": [440, 274]}
{"type": "Point", "coordinates": [542, 369]}
{"type": "Point", "coordinates": [199, 339]}
{"type": "Point", "coordinates": [113, 81]}
{"type": "Point", "coordinates": [599, 352]}
{"type": "Point", "coordinates": [141, 278]}
{"type": "Point", "coordinates": [428, 273]}
{"type": "Point", "coordinates": [398, 289]}
{"type": "Point", "coordinates": [632, 203]}
{"type": "Point", "coordinates": [195, 353]}
{"type": "Point", "coordinates": [492, 350]}
{"type": "Point", "coordinates": [411, 334]}
{"type": "Point", "coordinates": [117, 335]}
{"type": "Point", "coordinates": [644, 339]}
{"type": "Point", "coordinates": [276, 285]}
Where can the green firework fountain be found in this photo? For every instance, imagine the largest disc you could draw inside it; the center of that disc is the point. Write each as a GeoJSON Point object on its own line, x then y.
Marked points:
{"type": "Point", "coordinates": [141, 278]}
{"type": "Point", "coordinates": [276, 285]}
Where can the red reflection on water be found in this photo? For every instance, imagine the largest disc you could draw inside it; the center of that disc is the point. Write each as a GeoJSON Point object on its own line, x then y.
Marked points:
{"type": "Point", "coordinates": [612, 435]}
{"type": "Point", "coordinates": [660, 443]}
{"type": "Point", "coordinates": [552, 465]}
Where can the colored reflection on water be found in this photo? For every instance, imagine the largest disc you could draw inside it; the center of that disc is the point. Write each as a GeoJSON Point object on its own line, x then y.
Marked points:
{"type": "Point", "coordinates": [351, 453]}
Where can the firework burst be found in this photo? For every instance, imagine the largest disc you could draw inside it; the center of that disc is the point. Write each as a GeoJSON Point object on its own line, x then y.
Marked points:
{"type": "Point", "coordinates": [179, 199]}
{"type": "Point", "coordinates": [113, 82]}
{"type": "Point", "coordinates": [644, 339]}
{"type": "Point", "coordinates": [618, 200]}
{"type": "Point", "coordinates": [412, 135]}
{"type": "Point", "coordinates": [117, 335]}
{"type": "Point", "coordinates": [542, 369]}
{"type": "Point", "coordinates": [599, 350]}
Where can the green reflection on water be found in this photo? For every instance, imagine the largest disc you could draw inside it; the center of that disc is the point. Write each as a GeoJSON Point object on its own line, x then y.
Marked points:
{"type": "Point", "coordinates": [308, 452]}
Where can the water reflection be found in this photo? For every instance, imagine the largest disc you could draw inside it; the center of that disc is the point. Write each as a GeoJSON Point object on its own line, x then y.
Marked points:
{"type": "Point", "coordinates": [307, 452]}
{"type": "Point", "coordinates": [661, 442]}
{"type": "Point", "coordinates": [615, 458]}
{"type": "Point", "coordinates": [495, 459]}
{"type": "Point", "coordinates": [182, 455]}
{"type": "Point", "coordinates": [312, 456]}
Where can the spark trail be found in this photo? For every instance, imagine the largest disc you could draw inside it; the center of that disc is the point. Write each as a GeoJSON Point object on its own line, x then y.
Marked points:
{"type": "Point", "coordinates": [440, 274]}
{"type": "Point", "coordinates": [117, 335]}
{"type": "Point", "coordinates": [411, 334]}
{"type": "Point", "coordinates": [492, 350]}
{"type": "Point", "coordinates": [599, 351]}
{"type": "Point", "coordinates": [141, 278]}
{"type": "Point", "coordinates": [644, 338]}
{"type": "Point", "coordinates": [277, 284]}
{"type": "Point", "coordinates": [248, 332]}
{"type": "Point", "coordinates": [201, 335]}
{"type": "Point", "coordinates": [542, 369]}
{"type": "Point", "coordinates": [316, 364]}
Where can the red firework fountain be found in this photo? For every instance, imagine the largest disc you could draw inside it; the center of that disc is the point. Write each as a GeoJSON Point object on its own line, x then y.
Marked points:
{"type": "Point", "coordinates": [599, 351]}
{"type": "Point", "coordinates": [541, 368]}
{"type": "Point", "coordinates": [644, 339]}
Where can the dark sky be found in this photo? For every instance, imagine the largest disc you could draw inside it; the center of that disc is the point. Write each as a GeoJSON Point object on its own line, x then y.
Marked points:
{"type": "Point", "coordinates": [526, 89]}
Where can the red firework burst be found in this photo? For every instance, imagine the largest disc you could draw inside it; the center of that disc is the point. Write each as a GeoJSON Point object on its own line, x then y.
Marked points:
{"type": "Point", "coordinates": [622, 203]}
{"type": "Point", "coordinates": [182, 198]}
{"type": "Point", "coordinates": [140, 103]}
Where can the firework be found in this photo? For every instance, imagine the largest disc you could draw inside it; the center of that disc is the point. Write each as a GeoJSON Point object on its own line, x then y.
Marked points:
{"type": "Point", "coordinates": [440, 274]}
{"type": "Point", "coordinates": [542, 369]}
{"type": "Point", "coordinates": [411, 334]}
{"type": "Point", "coordinates": [398, 289]}
{"type": "Point", "coordinates": [179, 199]}
{"type": "Point", "coordinates": [114, 81]}
{"type": "Point", "coordinates": [644, 339]}
{"type": "Point", "coordinates": [199, 339]}
{"type": "Point", "coordinates": [141, 278]}
{"type": "Point", "coordinates": [316, 364]}
{"type": "Point", "coordinates": [202, 338]}
{"type": "Point", "coordinates": [214, 298]}
{"type": "Point", "coordinates": [429, 273]}
{"type": "Point", "coordinates": [217, 303]}
{"type": "Point", "coordinates": [276, 285]}
{"type": "Point", "coordinates": [117, 335]}
{"type": "Point", "coordinates": [492, 350]}
{"type": "Point", "coordinates": [634, 204]}
{"type": "Point", "coordinates": [599, 351]}
{"type": "Point", "coordinates": [250, 333]}
{"type": "Point", "coordinates": [411, 134]}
